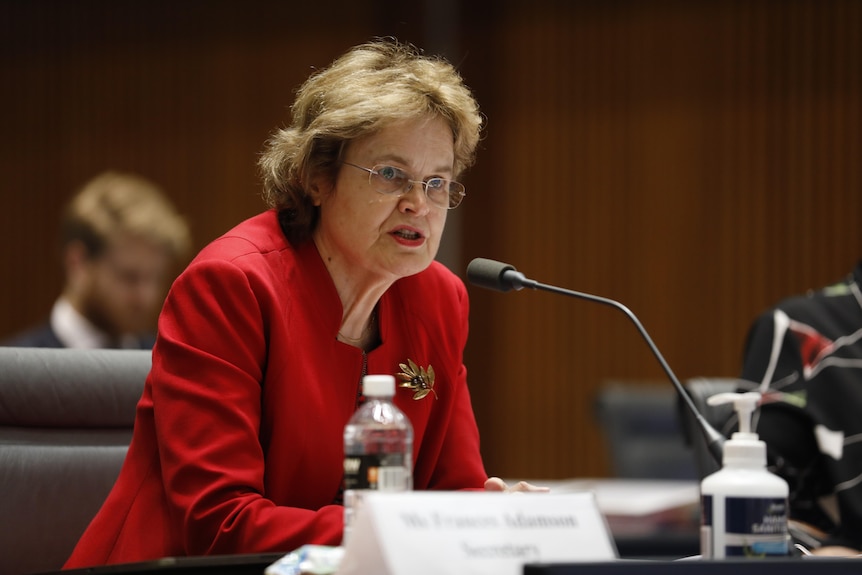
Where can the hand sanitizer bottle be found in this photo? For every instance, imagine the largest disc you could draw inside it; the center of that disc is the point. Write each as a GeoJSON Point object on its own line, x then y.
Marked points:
{"type": "Point", "coordinates": [743, 506]}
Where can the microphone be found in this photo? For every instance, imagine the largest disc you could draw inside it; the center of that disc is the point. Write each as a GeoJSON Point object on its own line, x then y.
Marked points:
{"type": "Point", "coordinates": [502, 277]}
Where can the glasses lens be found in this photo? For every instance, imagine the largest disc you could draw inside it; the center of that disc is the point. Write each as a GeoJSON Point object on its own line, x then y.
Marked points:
{"type": "Point", "coordinates": [437, 190]}
{"type": "Point", "coordinates": [444, 193]}
{"type": "Point", "coordinates": [456, 194]}
{"type": "Point", "coordinates": [388, 179]}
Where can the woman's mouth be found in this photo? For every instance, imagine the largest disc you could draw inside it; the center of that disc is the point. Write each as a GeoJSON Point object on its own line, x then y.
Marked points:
{"type": "Point", "coordinates": [407, 234]}
{"type": "Point", "coordinates": [408, 237]}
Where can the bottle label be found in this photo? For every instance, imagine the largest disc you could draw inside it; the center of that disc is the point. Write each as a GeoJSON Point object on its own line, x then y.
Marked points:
{"type": "Point", "coordinates": [752, 527]}
{"type": "Point", "coordinates": [383, 472]}
{"type": "Point", "coordinates": [756, 526]}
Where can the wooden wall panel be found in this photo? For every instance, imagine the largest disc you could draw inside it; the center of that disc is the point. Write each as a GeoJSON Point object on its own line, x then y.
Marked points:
{"type": "Point", "coordinates": [696, 161]}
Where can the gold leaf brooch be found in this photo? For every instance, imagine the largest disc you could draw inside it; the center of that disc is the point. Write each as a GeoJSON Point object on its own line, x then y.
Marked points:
{"type": "Point", "coordinates": [420, 380]}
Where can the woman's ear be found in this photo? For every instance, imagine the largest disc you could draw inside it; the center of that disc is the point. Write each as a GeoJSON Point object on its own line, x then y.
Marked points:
{"type": "Point", "coordinates": [318, 189]}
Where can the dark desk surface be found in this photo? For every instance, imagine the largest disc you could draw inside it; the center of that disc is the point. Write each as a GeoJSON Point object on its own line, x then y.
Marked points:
{"type": "Point", "coordinates": [789, 566]}
{"type": "Point", "coordinates": [671, 545]}
{"type": "Point", "coordinates": [254, 564]}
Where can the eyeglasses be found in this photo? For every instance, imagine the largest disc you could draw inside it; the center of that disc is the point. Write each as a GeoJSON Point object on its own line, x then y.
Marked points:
{"type": "Point", "coordinates": [389, 180]}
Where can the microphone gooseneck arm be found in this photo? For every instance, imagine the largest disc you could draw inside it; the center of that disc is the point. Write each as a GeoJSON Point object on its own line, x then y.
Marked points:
{"type": "Point", "coordinates": [503, 277]}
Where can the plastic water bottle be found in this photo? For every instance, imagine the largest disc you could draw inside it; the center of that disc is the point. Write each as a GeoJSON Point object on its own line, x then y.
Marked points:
{"type": "Point", "coordinates": [378, 447]}
{"type": "Point", "coordinates": [744, 507]}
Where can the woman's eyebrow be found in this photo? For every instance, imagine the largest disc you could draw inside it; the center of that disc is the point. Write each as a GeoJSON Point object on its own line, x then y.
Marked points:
{"type": "Point", "coordinates": [394, 157]}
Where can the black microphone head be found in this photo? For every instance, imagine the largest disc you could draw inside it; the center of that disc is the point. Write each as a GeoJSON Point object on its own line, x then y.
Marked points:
{"type": "Point", "coordinates": [489, 274]}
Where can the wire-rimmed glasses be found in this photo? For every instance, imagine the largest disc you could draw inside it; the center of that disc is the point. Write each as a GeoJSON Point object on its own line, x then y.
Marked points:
{"type": "Point", "coordinates": [389, 180]}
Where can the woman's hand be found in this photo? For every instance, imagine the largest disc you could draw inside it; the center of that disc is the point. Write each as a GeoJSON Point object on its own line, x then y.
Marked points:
{"type": "Point", "coordinates": [497, 484]}
{"type": "Point", "coordinates": [835, 551]}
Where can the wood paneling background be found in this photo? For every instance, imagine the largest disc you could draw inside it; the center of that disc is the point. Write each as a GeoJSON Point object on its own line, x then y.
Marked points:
{"type": "Point", "coordinates": [695, 160]}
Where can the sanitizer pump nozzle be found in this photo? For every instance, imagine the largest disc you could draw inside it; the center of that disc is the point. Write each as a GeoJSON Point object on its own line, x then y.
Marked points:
{"type": "Point", "coordinates": [744, 447]}
{"type": "Point", "coordinates": [743, 403]}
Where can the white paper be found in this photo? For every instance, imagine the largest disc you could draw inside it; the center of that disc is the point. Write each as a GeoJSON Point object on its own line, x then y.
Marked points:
{"type": "Point", "coordinates": [631, 497]}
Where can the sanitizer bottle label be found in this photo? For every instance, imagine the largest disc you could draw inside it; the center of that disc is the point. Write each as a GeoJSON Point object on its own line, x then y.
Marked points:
{"type": "Point", "coordinates": [756, 527]}
{"type": "Point", "coordinates": [753, 527]}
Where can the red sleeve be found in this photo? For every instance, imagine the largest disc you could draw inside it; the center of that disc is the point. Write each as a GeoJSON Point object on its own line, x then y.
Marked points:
{"type": "Point", "coordinates": [206, 384]}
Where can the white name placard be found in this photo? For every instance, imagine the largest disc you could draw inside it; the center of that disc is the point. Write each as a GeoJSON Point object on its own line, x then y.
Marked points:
{"type": "Point", "coordinates": [434, 533]}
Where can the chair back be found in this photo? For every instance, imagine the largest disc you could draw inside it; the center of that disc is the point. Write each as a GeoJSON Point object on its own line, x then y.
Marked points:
{"type": "Point", "coordinates": [66, 419]}
{"type": "Point", "coordinates": [641, 426]}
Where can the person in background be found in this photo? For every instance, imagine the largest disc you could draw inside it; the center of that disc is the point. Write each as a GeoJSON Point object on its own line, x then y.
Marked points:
{"type": "Point", "coordinates": [805, 357]}
{"type": "Point", "coordinates": [265, 337]}
{"type": "Point", "coordinates": [121, 240]}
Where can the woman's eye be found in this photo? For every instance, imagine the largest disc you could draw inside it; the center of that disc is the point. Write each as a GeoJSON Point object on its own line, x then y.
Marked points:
{"type": "Point", "coordinates": [436, 183]}
{"type": "Point", "coordinates": [388, 172]}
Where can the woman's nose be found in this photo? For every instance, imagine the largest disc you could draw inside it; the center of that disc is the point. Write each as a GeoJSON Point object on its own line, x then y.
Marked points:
{"type": "Point", "coordinates": [415, 198]}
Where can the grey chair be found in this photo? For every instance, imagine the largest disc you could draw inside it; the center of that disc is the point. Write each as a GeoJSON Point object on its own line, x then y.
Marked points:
{"type": "Point", "coordinates": [66, 419]}
{"type": "Point", "coordinates": [641, 426]}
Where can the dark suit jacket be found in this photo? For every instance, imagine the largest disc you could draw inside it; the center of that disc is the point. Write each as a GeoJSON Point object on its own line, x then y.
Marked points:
{"type": "Point", "coordinates": [44, 336]}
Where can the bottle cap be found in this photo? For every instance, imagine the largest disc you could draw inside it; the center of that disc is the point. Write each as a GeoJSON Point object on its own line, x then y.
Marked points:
{"type": "Point", "coordinates": [744, 447]}
{"type": "Point", "coordinates": [378, 385]}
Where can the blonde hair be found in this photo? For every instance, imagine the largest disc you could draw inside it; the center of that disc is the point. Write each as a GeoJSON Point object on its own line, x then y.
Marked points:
{"type": "Point", "coordinates": [370, 87]}
{"type": "Point", "coordinates": [114, 203]}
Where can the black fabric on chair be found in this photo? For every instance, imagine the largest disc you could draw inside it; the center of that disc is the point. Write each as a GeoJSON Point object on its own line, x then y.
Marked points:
{"type": "Point", "coordinates": [721, 417]}
{"type": "Point", "coordinates": [66, 419]}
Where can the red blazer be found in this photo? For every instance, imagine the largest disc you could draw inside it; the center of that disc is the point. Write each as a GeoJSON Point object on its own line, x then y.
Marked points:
{"type": "Point", "coordinates": [238, 446]}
